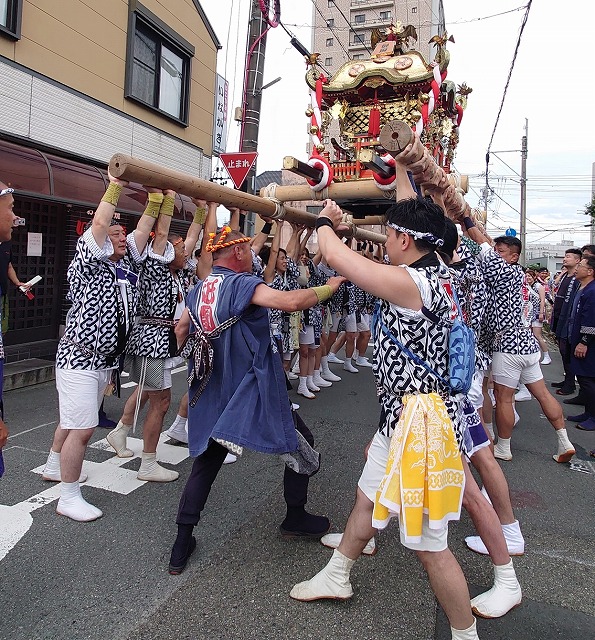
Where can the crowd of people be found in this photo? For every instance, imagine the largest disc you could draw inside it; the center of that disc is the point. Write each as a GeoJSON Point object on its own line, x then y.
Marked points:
{"type": "Point", "coordinates": [250, 317]}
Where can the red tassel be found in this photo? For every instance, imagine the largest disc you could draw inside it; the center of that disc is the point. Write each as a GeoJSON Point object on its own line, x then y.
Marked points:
{"type": "Point", "coordinates": [374, 124]}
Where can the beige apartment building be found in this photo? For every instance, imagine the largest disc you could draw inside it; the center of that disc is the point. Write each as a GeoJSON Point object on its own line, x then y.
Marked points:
{"type": "Point", "coordinates": [343, 28]}
{"type": "Point", "coordinates": [79, 81]}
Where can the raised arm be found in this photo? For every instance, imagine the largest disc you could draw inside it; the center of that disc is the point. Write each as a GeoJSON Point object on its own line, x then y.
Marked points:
{"type": "Point", "coordinates": [383, 281]}
{"type": "Point", "coordinates": [293, 246]}
{"type": "Point", "coordinates": [269, 270]}
{"type": "Point", "coordinates": [166, 212]}
{"type": "Point", "coordinates": [259, 240]}
{"type": "Point", "coordinates": [106, 209]}
{"type": "Point", "coordinates": [297, 299]}
{"type": "Point", "coordinates": [198, 221]}
{"type": "Point", "coordinates": [205, 262]}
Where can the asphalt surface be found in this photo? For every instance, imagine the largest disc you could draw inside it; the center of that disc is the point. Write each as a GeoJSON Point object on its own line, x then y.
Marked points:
{"type": "Point", "coordinates": [108, 579]}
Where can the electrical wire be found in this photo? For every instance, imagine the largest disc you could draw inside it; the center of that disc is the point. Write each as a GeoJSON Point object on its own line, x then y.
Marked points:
{"type": "Point", "coordinates": [350, 27]}
{"type": "Point", "coordinates": [516, 50]}
{"type": "Point", "coordinates": [331, 29]}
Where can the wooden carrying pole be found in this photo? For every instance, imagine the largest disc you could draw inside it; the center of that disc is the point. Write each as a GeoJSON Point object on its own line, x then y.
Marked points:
{"type": "Point", "coordinates": [365, 189]}
{"type": "Point", "coordinates": [137, 170]}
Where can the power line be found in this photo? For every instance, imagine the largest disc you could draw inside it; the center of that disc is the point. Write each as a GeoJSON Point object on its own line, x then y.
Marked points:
{"type": "Point", "coordinates": [331, 29]}
{"type": "Point", "coordinates": [350, 27]}
{"type": "Point", "coordinates": [516, 50]}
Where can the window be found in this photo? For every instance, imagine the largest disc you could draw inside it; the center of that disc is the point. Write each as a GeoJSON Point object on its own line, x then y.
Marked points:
{"type": "Point", "coordinates": [331, 3]}
{"type": "Point", "coordinates": [329, 42]}
{"type": "Point", "coordinates": [328, 62]}
{"type": "Point", "coordinates": [359, 38]}
{"type": "Point", "coordinates": [330, 22]}
{"type": "Point", "coordinates": [413, 9]}
{"type": "Point", "coordinates": [359, 18]}
{"type": "Point", "coordinates": [10, 18]}
{"type": "Point", "coordinates": [385, 15]}
{"type": "Point", "coordinates": [158, 66]}
{"type": "Point", "coordinates": [357, 56]}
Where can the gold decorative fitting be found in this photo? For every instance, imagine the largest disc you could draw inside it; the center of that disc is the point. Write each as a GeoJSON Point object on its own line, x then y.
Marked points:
{"type": "Point", "coordinates": [314, 129]}
{"type": "Point", "coordinates": [424, 98]}
{"type": "Point", "coordinates": [320, 148]}
{"type": "Point", "coordinates": [403, 62]}
{"type": "Point", "coordinates": [309, 112]}
{"type": "Point", "coordinates": [356, 69]}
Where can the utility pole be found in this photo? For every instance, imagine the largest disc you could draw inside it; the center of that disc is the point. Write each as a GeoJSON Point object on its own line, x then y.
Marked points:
{"type": "Point", "coordinates": [523, 229]}
{"type": "Point", "coordinates": [252, 95]}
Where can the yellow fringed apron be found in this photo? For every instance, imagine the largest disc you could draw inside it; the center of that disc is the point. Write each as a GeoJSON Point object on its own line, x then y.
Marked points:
{"type": "Point", "coordinates": [424, 471]}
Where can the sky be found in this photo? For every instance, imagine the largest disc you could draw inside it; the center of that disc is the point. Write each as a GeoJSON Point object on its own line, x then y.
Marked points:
{"type": "Point", "coordinates": [551, 86]}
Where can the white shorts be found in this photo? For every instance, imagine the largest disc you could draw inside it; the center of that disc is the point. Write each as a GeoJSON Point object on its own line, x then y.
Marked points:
{"type": "Point", "coordinates": [80, 394]}
{"type": "Point", "coordinates": [335, 320]}
{"type": "Point", "coordinates": [353, 326]}
{"type": "Point", "coordinates": [307, 334]}
{"type": "Point", "coordinates": [510, 370]}
{"type": "Point", "coordinates": [374, 471]}
{"type": "Point", "coordinates": [475, 393]}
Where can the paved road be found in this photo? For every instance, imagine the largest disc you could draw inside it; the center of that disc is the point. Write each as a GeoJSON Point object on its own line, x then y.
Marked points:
{"type": "Point", "coordinates": [108, 580]}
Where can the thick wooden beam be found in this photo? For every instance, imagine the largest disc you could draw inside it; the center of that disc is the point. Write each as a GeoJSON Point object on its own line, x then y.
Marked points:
{"type": "Point", "coordinates": [149, 173]}
{"type": "Point", "coordinates": [302, 168]}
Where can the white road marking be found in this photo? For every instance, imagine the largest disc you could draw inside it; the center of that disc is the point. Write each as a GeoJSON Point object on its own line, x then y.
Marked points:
{"type": "Point", "coordinates": [39, 426]}
{"type": "Point", "coordinates": [560, 556]}
{"type": "Point", "coordinates": [109, 475]}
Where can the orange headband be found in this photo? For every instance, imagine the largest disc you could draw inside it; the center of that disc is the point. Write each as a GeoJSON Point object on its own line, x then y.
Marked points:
{"type": "Point", "coordinates": [221, 244]}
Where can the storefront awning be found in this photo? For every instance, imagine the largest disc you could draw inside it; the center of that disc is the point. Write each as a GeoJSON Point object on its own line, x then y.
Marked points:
{"type": "Point", "coordinates": [36, 173]}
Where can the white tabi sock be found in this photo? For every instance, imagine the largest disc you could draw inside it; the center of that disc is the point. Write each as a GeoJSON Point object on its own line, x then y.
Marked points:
{"type": "Point", "coordinates": [72, 504]}
{"type": "Point", "coordinates": [330, 583]}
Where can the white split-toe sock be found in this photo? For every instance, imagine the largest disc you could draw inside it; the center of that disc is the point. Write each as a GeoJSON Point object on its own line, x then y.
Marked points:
{"type": "Point", "coordinates": [332, 583]}
{"type": "Point", "coordinates": [362, 361]}
{"type": "Point", "coordinates": [178, 430]}
{"type": "Point", "coordinates": [303, 389]}
{"type": "Point", "coordinates": [72, 504]}
{"type": "Point", "coordinates": [310, 384]}
{"type": "Point", "coordinates": [502, 449]}
{"type": "Point", "coordinates": [565, 447]}
{"type": "Point", "coordinates": [51, 471]}
{"type": "Point", "coordinates": [505, 595]}
{"type": "Point", "coordinates": [348, 366]}
{"type": "Point", "coordinates": [319, 381]}
{"type": "Point", "coordinates": [332, 358]}
{"type": "Point", "coordinates": [333, 540]}
{"type": "Point", "coordinates": [465, 634]}
{"type": "Point", "coordinates": [327, 374]}
{"type": "Point", "coordinates": [116, 438]}
{"type": "Point", "coordinates": [512, 534]}
{"type": "Point", "coordinates": [151, 471]}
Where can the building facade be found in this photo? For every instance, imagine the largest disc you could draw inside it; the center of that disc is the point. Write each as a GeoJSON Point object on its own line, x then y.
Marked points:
{"type": "Point", "coordinates": [79, 82]}
{"type": "Point", "coordinates": [343, 28]}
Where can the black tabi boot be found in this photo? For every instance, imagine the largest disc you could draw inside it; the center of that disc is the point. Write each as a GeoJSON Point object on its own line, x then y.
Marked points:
{"type": "Point", "coordinates": [183, 548]}
{"type": "Point", "coordinates": [298, 522]}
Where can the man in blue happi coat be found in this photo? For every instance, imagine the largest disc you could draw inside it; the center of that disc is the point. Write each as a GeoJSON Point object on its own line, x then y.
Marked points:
{"type": "Point", "coordinates": [238, 395]}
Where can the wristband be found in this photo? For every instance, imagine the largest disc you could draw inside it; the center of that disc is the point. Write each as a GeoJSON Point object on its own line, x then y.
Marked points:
{"type": "Point", "coordinates": [112, 194]}
{"type": "Point", "coordinates": [266, 228]}
{"type": "Point", "coordinates": [200, 215]}
{"type": "Point", "coordinates": [325, 291]}
{"type": "Point", "coordinates": [153, 205]}
{"type": "Point", "coordinates": [167, 206]}
{"type": "Point", "coordinates": [468, 223]}
{"type": "Point", "coordinates": [323, 221]}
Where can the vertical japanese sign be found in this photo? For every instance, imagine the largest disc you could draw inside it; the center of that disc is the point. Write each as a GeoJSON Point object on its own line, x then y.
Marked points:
{"type": "Point", "coordinates": [220, 115]}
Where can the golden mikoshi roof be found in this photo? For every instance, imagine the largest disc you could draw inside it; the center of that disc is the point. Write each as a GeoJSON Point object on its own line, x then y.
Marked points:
{"type": "Point", "coordinates": [401, 69]}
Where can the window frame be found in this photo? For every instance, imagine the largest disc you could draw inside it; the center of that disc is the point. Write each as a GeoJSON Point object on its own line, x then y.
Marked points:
{"type": "Point", "coordinates": [330, 22]}
{"type": "Point", "coordinates": [328, 62]}
{"type": "Point", "coordinates": [359, 15]}
{"type": "Point", "coordinates": [413, 9]}
{"type": "Point", "coordinates": [165, 36]}
{"type": "Point", "coordinates": [330, 42]}
{"type": "Point", "coordinates": [14, 19]}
